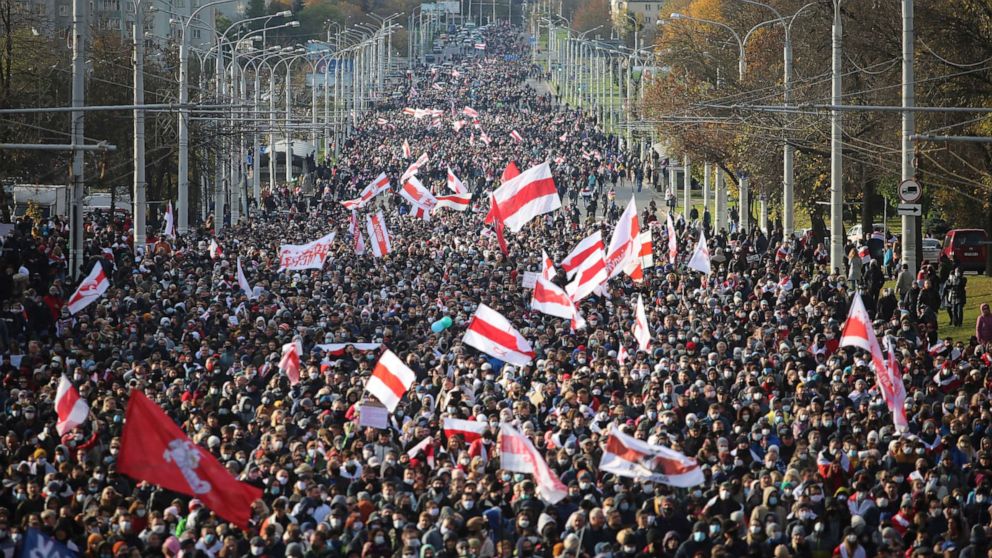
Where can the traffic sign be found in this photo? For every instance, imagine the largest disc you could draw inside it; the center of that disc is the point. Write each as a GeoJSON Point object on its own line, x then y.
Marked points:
{"type": "Point", "coordinates": [910, 191]}
{"type": "Point", "coordinates": [912, 209]}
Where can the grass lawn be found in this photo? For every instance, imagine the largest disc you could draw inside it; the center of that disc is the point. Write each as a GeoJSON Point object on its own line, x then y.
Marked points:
{"type": "Point", "coordinates": [979, 292]}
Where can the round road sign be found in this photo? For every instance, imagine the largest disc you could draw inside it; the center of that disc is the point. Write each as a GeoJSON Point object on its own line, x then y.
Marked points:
{"type": "Point", "coordinates": [910, 191]}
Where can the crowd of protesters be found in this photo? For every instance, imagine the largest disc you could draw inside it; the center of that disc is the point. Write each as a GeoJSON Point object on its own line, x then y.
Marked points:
{"type": "Point", "coordinates": [745, 373]}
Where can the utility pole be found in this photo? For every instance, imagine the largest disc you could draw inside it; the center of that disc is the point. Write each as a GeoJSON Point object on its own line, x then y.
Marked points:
{"type": "Point", "coordinates": [139, 126]}
{"type": "Point", "coordinates": [836, 155]}
{"type": "Point", "coordinates": [788, 166]}
{"type": "Point", "coordinates": [79, 21]}
{"type": "Point", "coordinates": [182, 206]}
{"type": "Point", "coordinates": [909, 222]}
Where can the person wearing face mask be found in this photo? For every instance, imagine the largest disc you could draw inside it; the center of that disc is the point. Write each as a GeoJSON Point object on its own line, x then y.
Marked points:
{"type": "Point", "coordinates": [698, 542]}
{"type": "Point", "coordinates": [771, 504]}
{"type": "Point", "coordinates": [209, 543]}
{"type": "Point", "coordinates": [724, 503]}
{"type": "Point", "coordinates": [849, 546]}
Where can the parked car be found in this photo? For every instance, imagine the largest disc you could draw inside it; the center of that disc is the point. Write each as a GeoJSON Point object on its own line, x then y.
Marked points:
{"type": "Point", "coordinates": [967, 248]}
{"type": "Point", "coordinates": [855, 236]}
{"type": "Point", "coordinates": [931, 249]}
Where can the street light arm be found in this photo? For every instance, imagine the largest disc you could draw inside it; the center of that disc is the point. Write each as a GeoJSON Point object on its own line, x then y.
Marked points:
{"type": "Point", "coordinates": [740, 43]}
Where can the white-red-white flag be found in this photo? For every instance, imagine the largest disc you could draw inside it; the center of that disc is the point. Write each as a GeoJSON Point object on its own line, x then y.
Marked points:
{"type": "Point", "coordinates": [635, 269]}
{"type": "Point", "coordinates": [419, 196]}
{"type": "Point", "coordinates": [92, 288]}
{"type": "Point", "coordinates": [673, 241]}
{"type": "Point", "coordinates": [458, 125]}
{"type": "Point", "coordinates": [859, 332]}
{"type": "Point", "coordinates": [290, 362]}
{"type": "Point", "coordinates": [530, 194]}
{"type": "Point", "coordinates": [627, 456]}
{"type": "Point", "coordinates": [454, 184]}
{"type": "Point", "coordinates": [622, 355]}
{"type": "Point", "coordinates": [647, 250]}
{"type": "Point", "coordinates": [642, 331]}
{"type": "Point", "coordinates": [378, 235]}
{"type": "Point", "coordinates": [170, 224]}
{"type": "Point", "coordinates": [390, 380]}
{"type": "Point", "coordinates": [470, 112]}
{"type": "Point", "coordinates": [549, 298]}
{"type": "Point", "coordinates": [509, 173]}
{"type": "Point", "coordinates": [425, 446]}
{"type": "Point", "coordinates": [414, 168]}
{"type": "Point", "coordinates": [480, 46]}
{"type": "Point", "coordinates": [376, 187]}
{"type": "Point", "coordinates": [70, 407]}
{"type": "Point", "coordinates": [456, 202]}
{"type": "Point", "coordinates": [893, 390]}
{"type": "Point", "coordinates": [406, 149]}
{"type": "Point", "coordinates": [215, 249]}
{"type": "Point", "coordinates": [516, 136]}
{"type": "Point", "coordinates": [243, 281]}
{"type": "Point", "coordinates": [491, 333]}
{"type": "Point", "coordinates": [357, 240]}
{"type": "Point", "coordinates": [624, 246]}
{"type": "Point", "coordinates": [469, 430]}
{"type": "Point", "coordinates": [484, 137]}
{"type": "Point", "coordinates": [518, 454]}
{"type": "Point", "coordinates": [587, 263]}
{"type": "Point", "coordinates": [700, 260]}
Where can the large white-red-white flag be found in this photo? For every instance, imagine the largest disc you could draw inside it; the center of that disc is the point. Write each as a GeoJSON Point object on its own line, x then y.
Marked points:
{"type": "Point", "coordinates": [419, 197]}
{"type": "Point", "coordinates": [642, 331]}
{"type": "Point", "coordinates": [526, 196]}
{"type": "Point", "coordinates": [454, 184]}
{"type": "Point", "coordinates": [627, 456]}
{"type": "Point", "coordinates": [376, 187]}
{"type": "Point", "coordinates": [456, 202]}
{"type": "Point", "coordinates": [70, 407]}
{"type": "Point", "coordinates": [700, 260]}
{"type": "Point", "coordinates": [516, 136]}
{"type": "Point", "coordinates": [378, 235]}
{"type": "Point", "coordinates": [290, 362]}
{"type": "Point", "coordinates": [587, 263]}
{"type": "Point", "coordinates": [551, 299]}
{"type": "Point", "coordinates": [470, 112]}
{"type": "Point", "coordinates": [491, 333]}
{"type": "Point", "coordinates": [624, 246]}
{"type": "Point", "coordinates": [518, 454]}
{"type": "Point", "coordinates": [469, 430]}
{"type": "Point", "coordinates": [673, 241]}
{"type": "Point", "coordinates": [859, 332]}
{"type": "Point", "coordinates": [92, 288]}
{"type": "Point", "coordinates": [390, 380]}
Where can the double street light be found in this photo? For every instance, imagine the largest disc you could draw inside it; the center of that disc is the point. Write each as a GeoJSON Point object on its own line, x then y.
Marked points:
{"type": "Point", "coordinates": [788, 151]}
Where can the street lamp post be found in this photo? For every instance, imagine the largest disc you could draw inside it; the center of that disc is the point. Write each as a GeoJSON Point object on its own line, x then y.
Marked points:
{"type": "Point", "coordinates": [182, 206]}
{"type": "Point", "coordinates": [788, 151]}
{"type": "Point", "coordinates": [836, 156]}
